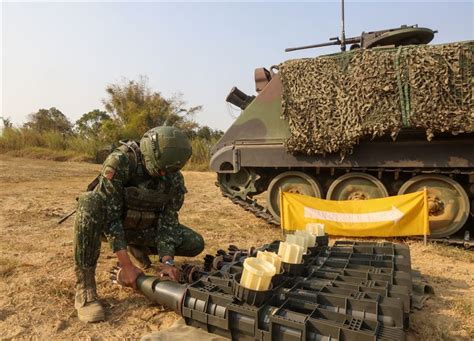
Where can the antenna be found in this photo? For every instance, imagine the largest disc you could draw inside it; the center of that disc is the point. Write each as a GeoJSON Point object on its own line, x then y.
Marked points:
{"type": "Point", "coordinates": [343, 32]}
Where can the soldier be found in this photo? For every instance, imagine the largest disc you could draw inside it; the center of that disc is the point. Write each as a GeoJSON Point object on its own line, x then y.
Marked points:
{"type": "Point", "coordinates": [135, 206]}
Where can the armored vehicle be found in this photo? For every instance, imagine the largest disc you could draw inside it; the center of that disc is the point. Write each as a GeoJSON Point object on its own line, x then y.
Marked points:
{"type": "Point", "coordinates": [304, 134]}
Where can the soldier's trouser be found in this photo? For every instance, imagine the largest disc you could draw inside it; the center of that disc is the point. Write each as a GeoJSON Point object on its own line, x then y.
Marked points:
{"type": "Point", "coordinates": [187, 242]}
{"type": "Point", "coordinates": [89, 225]}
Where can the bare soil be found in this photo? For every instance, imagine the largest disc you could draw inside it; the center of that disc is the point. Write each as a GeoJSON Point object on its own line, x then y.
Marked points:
{"type": "Point", "coordinates": [36, 268]}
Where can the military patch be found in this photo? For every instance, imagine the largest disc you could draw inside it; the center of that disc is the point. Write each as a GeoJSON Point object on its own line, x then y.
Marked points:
{"type": "Point", "coordinates": [109, 173]}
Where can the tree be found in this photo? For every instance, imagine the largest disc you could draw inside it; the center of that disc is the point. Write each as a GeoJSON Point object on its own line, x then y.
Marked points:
{"type": "Point", "coordinates": [90, 124]}
{"type": "Point", "coordinates": [207, 133]}
{"type": "Point", "coordinates": [49, 120]}
{"type": "Point", "coordinates": [7, 122]}
{"type": "Point", "coordinates": [204, 133]}
{"type": "Point", "coordinates": [111, 131]}
{"type": "Point", "coordinates": [136, 108]}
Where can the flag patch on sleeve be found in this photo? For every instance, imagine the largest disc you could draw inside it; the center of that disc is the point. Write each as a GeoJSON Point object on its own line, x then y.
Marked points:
{"type": "Point", "coordinates": [109, 173]}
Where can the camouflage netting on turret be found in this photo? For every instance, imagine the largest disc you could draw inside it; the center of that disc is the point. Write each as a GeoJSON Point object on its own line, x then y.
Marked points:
{"type": "Point", "coordinates": [332, 102]}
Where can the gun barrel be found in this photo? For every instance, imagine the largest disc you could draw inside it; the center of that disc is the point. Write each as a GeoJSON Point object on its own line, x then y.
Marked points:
{"type": "Point", "coordinates": [353, 40]}
{"type": "Point", "coordinates": [312, 46]}
{"type": "Point", "coordinates": [336, 41]}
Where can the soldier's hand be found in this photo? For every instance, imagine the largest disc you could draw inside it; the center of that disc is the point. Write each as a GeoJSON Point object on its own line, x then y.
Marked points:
{"type": "Point", "coordinates": [171, 272]}
{"type": "Point", "coordinates": [129, 274]}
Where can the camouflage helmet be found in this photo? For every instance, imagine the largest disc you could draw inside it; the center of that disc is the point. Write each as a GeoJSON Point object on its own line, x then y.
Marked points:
{"type": "Point", "coordinates": [165, 148]}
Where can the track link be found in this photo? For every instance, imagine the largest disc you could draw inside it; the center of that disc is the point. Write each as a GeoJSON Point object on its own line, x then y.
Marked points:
{"type": "Point", "coordinates": [251, 206]}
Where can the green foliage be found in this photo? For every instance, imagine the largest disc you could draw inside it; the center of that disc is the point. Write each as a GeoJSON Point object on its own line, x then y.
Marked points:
{"type": "Point", "coordinates": [111, 131]}
{"type": "Point", "coordinates": [135, 108]}
{"type": "Point", "coordinates": [90, 124]}
{"type": "Point", "coordinates": [28, 142]}
{"type": "Point", "coordinates": [19, 138]}
{"type": "Point", "coordinates": [201, 153]}
{"type": "Point", "coordinates": [54, 140]}
{"type": "Point", "coordinates": [11, 139]}
{"type": "Point", "coordinates": [49, 120]}
{"type": "Point", "coordinates": [206, 133]}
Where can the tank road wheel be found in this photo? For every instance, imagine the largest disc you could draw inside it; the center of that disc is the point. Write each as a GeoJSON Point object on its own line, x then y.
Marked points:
{"type": "Point", "coordinates": [356, 186]}
{"type": "Point", "coordinates": [239, 184]}
{"type": "Point", "coordinates": [448, 203]}
{"type": "Point", "coordinates": [293, 182]}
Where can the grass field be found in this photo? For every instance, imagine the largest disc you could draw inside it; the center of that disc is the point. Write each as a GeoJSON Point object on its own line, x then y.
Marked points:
{"type": "Point", "coordinates": [37, 281]}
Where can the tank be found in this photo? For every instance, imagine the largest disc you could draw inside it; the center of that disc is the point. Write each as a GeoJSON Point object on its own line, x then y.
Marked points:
{"type": "Point", "coordinates": [252, 157]}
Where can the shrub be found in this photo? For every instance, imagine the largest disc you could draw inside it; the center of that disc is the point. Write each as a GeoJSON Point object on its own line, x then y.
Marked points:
{"type": "Point", "coordinates": [53, 145]}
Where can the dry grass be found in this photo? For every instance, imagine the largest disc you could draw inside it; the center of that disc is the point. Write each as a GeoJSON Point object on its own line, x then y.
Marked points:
{"type": "Point", "coordinates": [8, 267]}
{"type": "Point", "coordinates": [48, 154]}
{"type": "Point", "coordinates": [36, 276]}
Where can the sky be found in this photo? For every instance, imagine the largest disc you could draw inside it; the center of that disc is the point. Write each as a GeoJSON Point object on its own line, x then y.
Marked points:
{"type": "Point", "coordinates": [64, 54]}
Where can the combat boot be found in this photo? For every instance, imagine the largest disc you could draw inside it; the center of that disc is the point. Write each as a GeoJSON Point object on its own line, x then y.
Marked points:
{"type": "Point", "coordinates": [86, 302]}
{"type": "Point", "coordinates": [140, 255]}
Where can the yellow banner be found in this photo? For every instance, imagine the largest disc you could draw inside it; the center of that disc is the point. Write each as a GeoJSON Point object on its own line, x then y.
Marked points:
{"type": "Point", "coordinates": [401, 215]}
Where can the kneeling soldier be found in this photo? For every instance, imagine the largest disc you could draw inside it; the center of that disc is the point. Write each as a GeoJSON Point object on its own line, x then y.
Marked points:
{"type": "Point", "coordinates": [135, 206]}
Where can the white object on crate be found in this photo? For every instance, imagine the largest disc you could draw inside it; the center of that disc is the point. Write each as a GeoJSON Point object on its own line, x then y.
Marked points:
{"type": "Point", "coordinates": [270, 257]}
{"type": "Point", "coordinates": [311, 239]}
{"type": "Point", "coordinates": [257, 274]}
{"type": "Point", "coordinates": [290, 253]}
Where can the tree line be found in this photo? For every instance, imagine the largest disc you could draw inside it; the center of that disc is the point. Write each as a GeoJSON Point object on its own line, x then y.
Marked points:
{"type": "Point", "coordinates": [131, 108]}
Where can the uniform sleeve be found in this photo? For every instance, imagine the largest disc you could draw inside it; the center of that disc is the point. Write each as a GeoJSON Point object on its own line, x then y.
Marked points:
{"type": "Point", "coordinates": [168, 237]}
{"type": "Point", "coordinates": [114, 175]}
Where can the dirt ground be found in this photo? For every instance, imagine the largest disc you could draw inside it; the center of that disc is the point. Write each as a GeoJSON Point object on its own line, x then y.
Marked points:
{"type": "Point", "coordinates": [36, 276]}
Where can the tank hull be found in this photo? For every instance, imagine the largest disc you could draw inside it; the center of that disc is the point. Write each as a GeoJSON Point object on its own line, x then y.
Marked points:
{"type": "Point", "coordinates": [444, 155]}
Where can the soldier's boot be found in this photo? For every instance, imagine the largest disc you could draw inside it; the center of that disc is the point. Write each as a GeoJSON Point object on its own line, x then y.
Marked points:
{"type": "Point", "coordinates": [88, 307]}
{"type": "Point", "coordinates": [140, 255]}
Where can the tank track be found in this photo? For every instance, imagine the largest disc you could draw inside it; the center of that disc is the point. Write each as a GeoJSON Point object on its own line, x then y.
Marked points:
{"type": "Point", "coordinates": [250, 205]}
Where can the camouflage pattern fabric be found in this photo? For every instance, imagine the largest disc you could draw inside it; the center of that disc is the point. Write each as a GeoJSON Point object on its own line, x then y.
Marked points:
{"type": "Point", "coordinates": [333, 101]}
{"type": "Point", "coordinates": [101, 212]}
{"type": "Point", "coordinates": [88, 228]}
{"type": "Point", "coordinates": [183, 242]}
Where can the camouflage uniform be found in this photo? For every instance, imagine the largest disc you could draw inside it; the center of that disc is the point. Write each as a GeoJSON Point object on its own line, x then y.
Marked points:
{"type": "Point", "coordinates": [130, 207]}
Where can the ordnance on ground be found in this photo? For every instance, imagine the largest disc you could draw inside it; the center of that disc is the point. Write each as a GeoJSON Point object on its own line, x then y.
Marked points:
{"type": "Point", "coordinates": [351, 291]}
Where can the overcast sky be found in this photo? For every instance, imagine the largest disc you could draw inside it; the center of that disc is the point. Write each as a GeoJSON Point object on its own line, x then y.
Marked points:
{"type": "Point", "coordinates": [64, 54]}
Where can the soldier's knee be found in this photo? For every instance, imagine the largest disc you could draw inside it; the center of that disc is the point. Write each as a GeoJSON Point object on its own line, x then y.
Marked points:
{"type": "Point", "coordinates": [199, 244]}
{"type": "Point", "coordinates": [90, 202]}
{"type": "Point", "coordinates": [90, 212]}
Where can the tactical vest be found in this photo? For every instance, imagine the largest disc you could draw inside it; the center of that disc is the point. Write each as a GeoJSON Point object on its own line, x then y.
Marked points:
{"type": "Point", "coordinates": [142, 206]}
